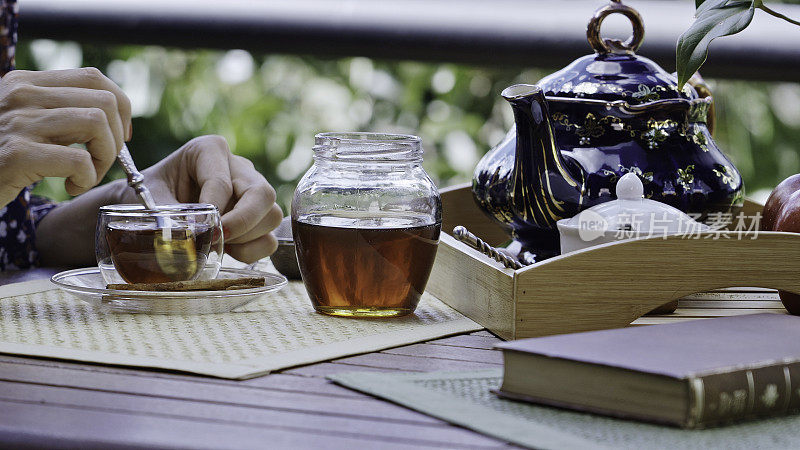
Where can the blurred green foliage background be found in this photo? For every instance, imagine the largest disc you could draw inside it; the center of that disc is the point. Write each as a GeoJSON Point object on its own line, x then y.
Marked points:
{"type": "Point", "coordinates": [270, 106]}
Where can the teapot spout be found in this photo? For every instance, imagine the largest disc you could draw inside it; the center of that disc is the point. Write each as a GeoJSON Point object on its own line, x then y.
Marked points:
{"type": "Point", "coordinates": [544, 188]}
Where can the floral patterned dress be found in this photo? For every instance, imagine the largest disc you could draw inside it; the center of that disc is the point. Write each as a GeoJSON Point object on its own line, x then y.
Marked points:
{"type": "Point", "coordinates": [18, 219]}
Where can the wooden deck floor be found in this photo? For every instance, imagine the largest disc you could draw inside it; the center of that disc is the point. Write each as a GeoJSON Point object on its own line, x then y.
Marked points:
{"type": "Point", "coordinates": [46, 403]}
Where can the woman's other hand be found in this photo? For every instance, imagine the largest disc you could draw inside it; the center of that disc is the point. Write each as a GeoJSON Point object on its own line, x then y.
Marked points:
{"type": "Point", "coordinates": [204, 170]}
{"type": "Point", "coordinates": [42, 113]}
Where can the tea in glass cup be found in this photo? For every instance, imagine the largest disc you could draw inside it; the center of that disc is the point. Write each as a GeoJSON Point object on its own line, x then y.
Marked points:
{"type": "Point", "coordinates": [366, 220]}
{"type": "Point", "coordinates": [173, 243]}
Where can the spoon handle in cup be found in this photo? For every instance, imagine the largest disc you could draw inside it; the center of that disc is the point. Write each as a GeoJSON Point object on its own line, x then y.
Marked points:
{"type": "Point", "coordinates": [135, 178]}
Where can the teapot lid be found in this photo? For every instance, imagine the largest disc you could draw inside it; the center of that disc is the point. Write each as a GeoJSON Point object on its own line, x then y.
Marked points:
{"type": "Point", "coordinates": [634, 214]}
{"type": "Point", "coordinates": [615, 72]}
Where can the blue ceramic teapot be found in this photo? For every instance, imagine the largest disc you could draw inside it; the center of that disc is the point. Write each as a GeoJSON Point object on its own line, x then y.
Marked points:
{"type": "Point", "coordinates": [582, 128]}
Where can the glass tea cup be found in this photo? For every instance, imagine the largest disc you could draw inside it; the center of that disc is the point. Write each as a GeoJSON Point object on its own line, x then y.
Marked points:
{"type": "Point", "coordinates": [172, 243]}
{"type": "Point", "coordinates": [366, 219]}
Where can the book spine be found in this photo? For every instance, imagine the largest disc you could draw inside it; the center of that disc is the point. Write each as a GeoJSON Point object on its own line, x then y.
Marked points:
{"type": "Point", "coordinates": [748, 393]}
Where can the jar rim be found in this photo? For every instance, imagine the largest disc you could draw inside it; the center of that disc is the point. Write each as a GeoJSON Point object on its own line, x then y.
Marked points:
{"type": "Point", "coordinates": [368, 147]}
{"type": "Point", "coordinates": [178, 209]}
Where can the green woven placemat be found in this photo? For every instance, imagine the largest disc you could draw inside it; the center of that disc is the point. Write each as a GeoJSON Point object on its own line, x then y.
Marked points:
{"type": "Point", "coordinates": [464, 398]}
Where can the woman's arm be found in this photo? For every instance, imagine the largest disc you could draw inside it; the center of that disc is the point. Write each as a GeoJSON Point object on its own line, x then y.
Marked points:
{"type": "Point", "coordinates": [65, 236]}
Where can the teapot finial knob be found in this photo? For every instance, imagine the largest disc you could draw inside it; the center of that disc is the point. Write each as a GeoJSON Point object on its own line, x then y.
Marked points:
{"type": "Point", "coordinates": [604, 46]}
{"type": "Point", "coordinates": [630, 187]}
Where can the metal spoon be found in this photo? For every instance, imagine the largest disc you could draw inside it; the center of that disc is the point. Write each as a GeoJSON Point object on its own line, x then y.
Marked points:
{"type": "Point", "coordinates": [463, 235]}
{"type": "Point", "coordinates": [176, 255]}
{"type": "Point", "coordinates": [136, 180]}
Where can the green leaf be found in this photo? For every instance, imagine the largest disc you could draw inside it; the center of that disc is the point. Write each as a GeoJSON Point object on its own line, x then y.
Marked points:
{"type": "Point", "coordinates": [712, 23]}
{"type": "Point", "coordinates": [705, 5]}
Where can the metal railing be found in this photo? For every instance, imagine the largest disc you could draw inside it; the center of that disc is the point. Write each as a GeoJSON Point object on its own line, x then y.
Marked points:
{"type": "Point", "coordinates": [513, 33]}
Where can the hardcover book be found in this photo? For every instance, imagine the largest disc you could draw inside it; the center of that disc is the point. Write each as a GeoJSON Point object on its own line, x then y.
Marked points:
{"type": "Point", "coordinates": [689, 374]}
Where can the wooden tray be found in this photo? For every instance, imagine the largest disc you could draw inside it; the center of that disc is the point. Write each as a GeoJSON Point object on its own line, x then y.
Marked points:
{"type": "Point", "coordinates": [607, 286]}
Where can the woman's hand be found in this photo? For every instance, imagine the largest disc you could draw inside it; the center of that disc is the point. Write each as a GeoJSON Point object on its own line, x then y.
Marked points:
{"type": "Point", "coordinates": [204, 170]}
{"type": "Point", "coordinates": [42, 113]}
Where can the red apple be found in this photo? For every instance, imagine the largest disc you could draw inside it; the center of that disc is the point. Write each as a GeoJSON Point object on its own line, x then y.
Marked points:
{"type": "Point", "coordinates": [789, 215]}
{"type": "Point", "coordinates": [789, 220]}
{"type": "Point", "coordinates": [791, 302]}
{"type": "Point", "coordinates": [782, 213]}
{"type": "Point", "coordinates": [777, 200]}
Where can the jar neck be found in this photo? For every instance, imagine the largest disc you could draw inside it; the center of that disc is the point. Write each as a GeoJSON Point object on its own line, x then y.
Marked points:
{"type": "Point", "coordinates": [368, 148]}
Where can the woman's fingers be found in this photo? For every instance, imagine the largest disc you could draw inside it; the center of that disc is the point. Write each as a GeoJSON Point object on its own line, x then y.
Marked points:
{"type": "Point", "coordinates": [207, 158]}
{"type": "Point", "coordinates": [204, 170]}
{"type": "Point", "coordinates": [255, 201]}
{"type": "Point", "coordinates": [66, 97]}
{"type": "Point", "coordinates": [87, 77]}
{"type": "Point", "coordinates": [268, 223]}
{"type": "Point", "coordinates": [49, 160]}
{"type": "Point", "coordinates": [75, 125]}
{"type": "Point", "coordinates": [253, 250]}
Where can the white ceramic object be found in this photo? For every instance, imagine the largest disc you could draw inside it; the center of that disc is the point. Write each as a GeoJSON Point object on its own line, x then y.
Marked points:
{"type": "Point", "coordinates": [631, 216]}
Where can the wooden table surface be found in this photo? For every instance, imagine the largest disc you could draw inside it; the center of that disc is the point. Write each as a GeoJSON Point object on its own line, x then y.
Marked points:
{"type": "Point", "coordinates": [51, 403]}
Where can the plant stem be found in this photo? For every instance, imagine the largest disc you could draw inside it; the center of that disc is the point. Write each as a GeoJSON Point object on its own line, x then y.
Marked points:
{"type": "Point", "coordinates": [764, 8]}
